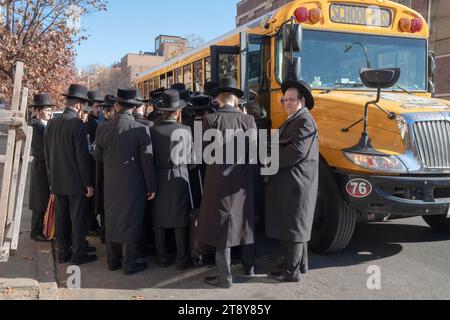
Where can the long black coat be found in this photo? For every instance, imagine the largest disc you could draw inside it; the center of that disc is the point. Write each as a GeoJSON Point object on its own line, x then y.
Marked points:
{"type": "Point", "coordinates": [227, 212]}
{"type": "Point", "coordinates": [125, 148]}
{"type": "Point", "coordinates": [92, 125]}
{"type": "Point", "coordinates": [67, 155]}
{"type": "Point", "coordinates": [39, 188]}
{"type": "Point", "coordinates": [291, 194]}
{"type": "Point", "coordinates": [171, 206]}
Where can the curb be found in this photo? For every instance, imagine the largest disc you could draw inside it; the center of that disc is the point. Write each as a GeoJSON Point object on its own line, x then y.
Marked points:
{"type": "Point", "coordinates": [48, 287]}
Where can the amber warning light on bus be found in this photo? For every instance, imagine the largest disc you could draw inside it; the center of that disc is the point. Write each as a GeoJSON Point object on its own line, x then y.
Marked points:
{"type": "Point", "coordinates": [411, 25]}
{"type": "Point", "coordinates": [302, 14]}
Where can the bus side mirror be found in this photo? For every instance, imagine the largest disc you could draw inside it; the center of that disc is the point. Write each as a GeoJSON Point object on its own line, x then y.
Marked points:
{"type": "Point", "coordinates": [292, 34]}
{"type": "Point", "coordinates": [292, 71]}
{"type": "Point", "coordinates": [380, 78]}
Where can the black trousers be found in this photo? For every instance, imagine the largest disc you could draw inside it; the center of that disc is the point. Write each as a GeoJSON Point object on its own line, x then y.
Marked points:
{"type": "Point", "coordinates": [181, 240]}
{"type": "Point", "coordinates": [37, 224]}
{"type": "Point", "coordinates": [293, 257]}
{"type": "Point", "coordinates": [223, 262]}
{"type": "Point", "coordinates": [126, 254]}
{"type": "Point", "coordinates": [70, 223]}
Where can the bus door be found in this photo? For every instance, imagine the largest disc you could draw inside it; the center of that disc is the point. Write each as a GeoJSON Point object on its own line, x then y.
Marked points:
{"type": "Point", "coordinates": [255, 62]}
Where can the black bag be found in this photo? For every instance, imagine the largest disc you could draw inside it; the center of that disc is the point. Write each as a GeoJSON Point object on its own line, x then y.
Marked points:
{"type": "Point", "coordinates": [198, 251]}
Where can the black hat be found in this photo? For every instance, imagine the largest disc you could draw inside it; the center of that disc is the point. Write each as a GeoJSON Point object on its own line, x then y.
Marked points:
{"type": "Point", "coordinates": [171, 101]}
{"type": "Point", "coordinates": [139, 98]}
{"type": "Point", "coordinates": [304, 89]}
{"type": "Point", "coordinates": [178, 86]}
{"type": "Point", "coordinates": [227, 85]}
{"type": "Point", "coordinates": [127, 98]}
{"type": "Point", "coordinates": [156, 94]}
{"type": "Point", "coordinates": [108, 101]}
{"type": "Point", "coordinates": [41, 100]}
{"type": "Point", "coordinates": [209, 85]}
{"type": "Point", "coordinates": [185, 95]}
{"type": "Point", "coordinates": [78, 92]}
{"type": "Point", "coordinates": [200, 103]}
{"type": "Point", "coordinates": [95, 96]}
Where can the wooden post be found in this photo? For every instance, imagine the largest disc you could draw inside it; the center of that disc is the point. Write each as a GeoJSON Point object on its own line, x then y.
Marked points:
{"type": "Point", "coordinates": [21, 191]}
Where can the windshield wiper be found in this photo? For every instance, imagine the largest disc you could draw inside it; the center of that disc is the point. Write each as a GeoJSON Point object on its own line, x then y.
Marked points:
{"type": "Point", "coordinates": [403, 89]}
{"type": "Point", "coordinates": [349, 84]}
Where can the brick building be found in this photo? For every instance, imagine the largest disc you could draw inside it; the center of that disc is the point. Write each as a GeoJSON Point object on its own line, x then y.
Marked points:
{"type": "Point", "coordinates": [436, 12]}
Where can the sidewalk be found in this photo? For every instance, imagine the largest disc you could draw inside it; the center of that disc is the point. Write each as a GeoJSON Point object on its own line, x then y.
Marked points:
{"type": "Point", "coordinates": [30, 274]}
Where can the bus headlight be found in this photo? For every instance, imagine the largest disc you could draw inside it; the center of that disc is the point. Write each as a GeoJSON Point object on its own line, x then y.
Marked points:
{"type": "Point", "coordinates": [389, 164]}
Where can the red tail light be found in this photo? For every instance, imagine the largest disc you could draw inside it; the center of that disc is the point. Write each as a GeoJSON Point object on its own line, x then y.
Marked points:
{"type": "Point", "coordinates": [302, 14]}
{"type": "Point", "coordinates": [416, 25]}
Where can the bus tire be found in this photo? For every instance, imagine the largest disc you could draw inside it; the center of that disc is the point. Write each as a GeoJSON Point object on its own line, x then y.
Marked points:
{"type": "Point", "coordinates": [438, 223]}
{"type": "Point", "coordinates": [334, 221]}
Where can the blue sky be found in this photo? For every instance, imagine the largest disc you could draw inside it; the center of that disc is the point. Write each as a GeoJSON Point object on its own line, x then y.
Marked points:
{"type": "Point", "coordinates": [132, 25]}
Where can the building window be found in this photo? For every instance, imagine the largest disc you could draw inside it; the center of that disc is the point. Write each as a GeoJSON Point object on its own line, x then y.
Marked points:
{"type": "Point", "coordinates": [198, 76]}
{"type": "Point", "coordinates": [187, 77]}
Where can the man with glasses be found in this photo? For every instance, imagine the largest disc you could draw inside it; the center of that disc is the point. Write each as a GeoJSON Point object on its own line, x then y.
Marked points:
{"type": "Point", "coordinates": [291, 194]}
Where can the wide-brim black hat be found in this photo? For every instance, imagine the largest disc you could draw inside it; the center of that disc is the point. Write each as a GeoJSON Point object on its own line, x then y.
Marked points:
{"type": "Point", "coordinates": [108, 101]}
{"type": "Point", "coordinates": [210, 85]}
{"type": "Point", "coordinates": [127, 98]}
{"type": "Point", "coordinates": [78, 92]}
{"type": "Point", "coordinates": [95, 96]}
{"type": "Point", "coordinates": [41, 100]}
{"type": "Point", "coordinates": [227, 85]}
{"type": "Point", "coordinates": [200, 103]}
{"type": "Point", "coordinates": [170, 101]}
{"type": "Point", "coordinates": [158, 92]}
{"type": "Point", "coordinates": [304, 89]}
{"type": "Point", "coordinates": [178, 86]}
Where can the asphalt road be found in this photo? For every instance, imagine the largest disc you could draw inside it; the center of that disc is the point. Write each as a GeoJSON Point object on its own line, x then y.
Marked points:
{"type": "Point", "coordinates": [413, 263]}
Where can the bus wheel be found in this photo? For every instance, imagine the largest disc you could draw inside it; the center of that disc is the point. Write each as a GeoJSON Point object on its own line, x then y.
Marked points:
{"type": "Point", "coordinates": [334, 221]}
{"type": "Point", "coordinates": [438, 223]}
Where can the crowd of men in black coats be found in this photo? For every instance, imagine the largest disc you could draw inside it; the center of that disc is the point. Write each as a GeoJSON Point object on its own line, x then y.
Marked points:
{"type": "Point", "coordinates": [118, 164]}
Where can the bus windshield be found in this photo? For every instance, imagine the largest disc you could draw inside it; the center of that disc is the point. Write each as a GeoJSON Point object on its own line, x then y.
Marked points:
{"type": "Point", "coordinates": [333, 60]}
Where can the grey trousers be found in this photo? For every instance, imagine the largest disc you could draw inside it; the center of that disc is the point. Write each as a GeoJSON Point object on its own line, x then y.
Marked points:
{"type": "Point", "coordinates": [295, 255]}
{"type": "Point", "coordinates": [223, 262]}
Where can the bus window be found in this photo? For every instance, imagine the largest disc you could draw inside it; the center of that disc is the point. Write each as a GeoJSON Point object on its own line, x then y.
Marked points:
{"type": "Point", "coordinates": [144, 91]}
{"type": "Point", "coordinates": [198, 76]}
{"type": "Point", "coordinates": [207, 69]}
{"type": "Point", "coordinates": [156, 83]}
{"type": "Point", "coordinates": [151, 87]}
{"type": "Point", "coordinates": [187, 77]}
{"type": "Point", "coordinates": [177, 74]}
{"type": "Point", "coordinates": [170, 79]}
{"type": "Point", "coordinates": [163, 82]}
{"type": "Point", "coordinates": [228, 66]}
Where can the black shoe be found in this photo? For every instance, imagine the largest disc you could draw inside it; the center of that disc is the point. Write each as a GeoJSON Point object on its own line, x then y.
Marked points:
{"type": "Point", "coordinates": [184, 266]}
{"type": "Point", "coordinates": [215, 282]}
{"type": "Point", "coordinates": [40, 239]}
{"type": "Point", "coordinates": [89, 249]}
{"type": "Point", "coordinates": [138, 267]}
{"type": "Point", "coordinates": [94, 233]}
{"type": "Point", "coordinates": [303, 268]}
{"type": "Point", "coordinates": [114, 267]}
{"type": "Point", "coordinates": [163, 264]}
{"type": "Point", "coordinates": [282, 277]}
{"type": "Point", "coordinates": [84, 259]}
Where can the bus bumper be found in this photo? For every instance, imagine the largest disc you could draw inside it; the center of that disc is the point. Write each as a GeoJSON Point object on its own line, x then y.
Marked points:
{"type": "Point", "coordinates": [406, 196]}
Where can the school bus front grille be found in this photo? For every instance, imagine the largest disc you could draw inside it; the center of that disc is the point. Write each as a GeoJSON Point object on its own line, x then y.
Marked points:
{"type": "Point", "coordinates": [432, 140]}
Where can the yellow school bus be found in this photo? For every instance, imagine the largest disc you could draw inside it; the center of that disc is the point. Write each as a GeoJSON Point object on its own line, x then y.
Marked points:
{"type": "Point", "coordinates": [404, 169]}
